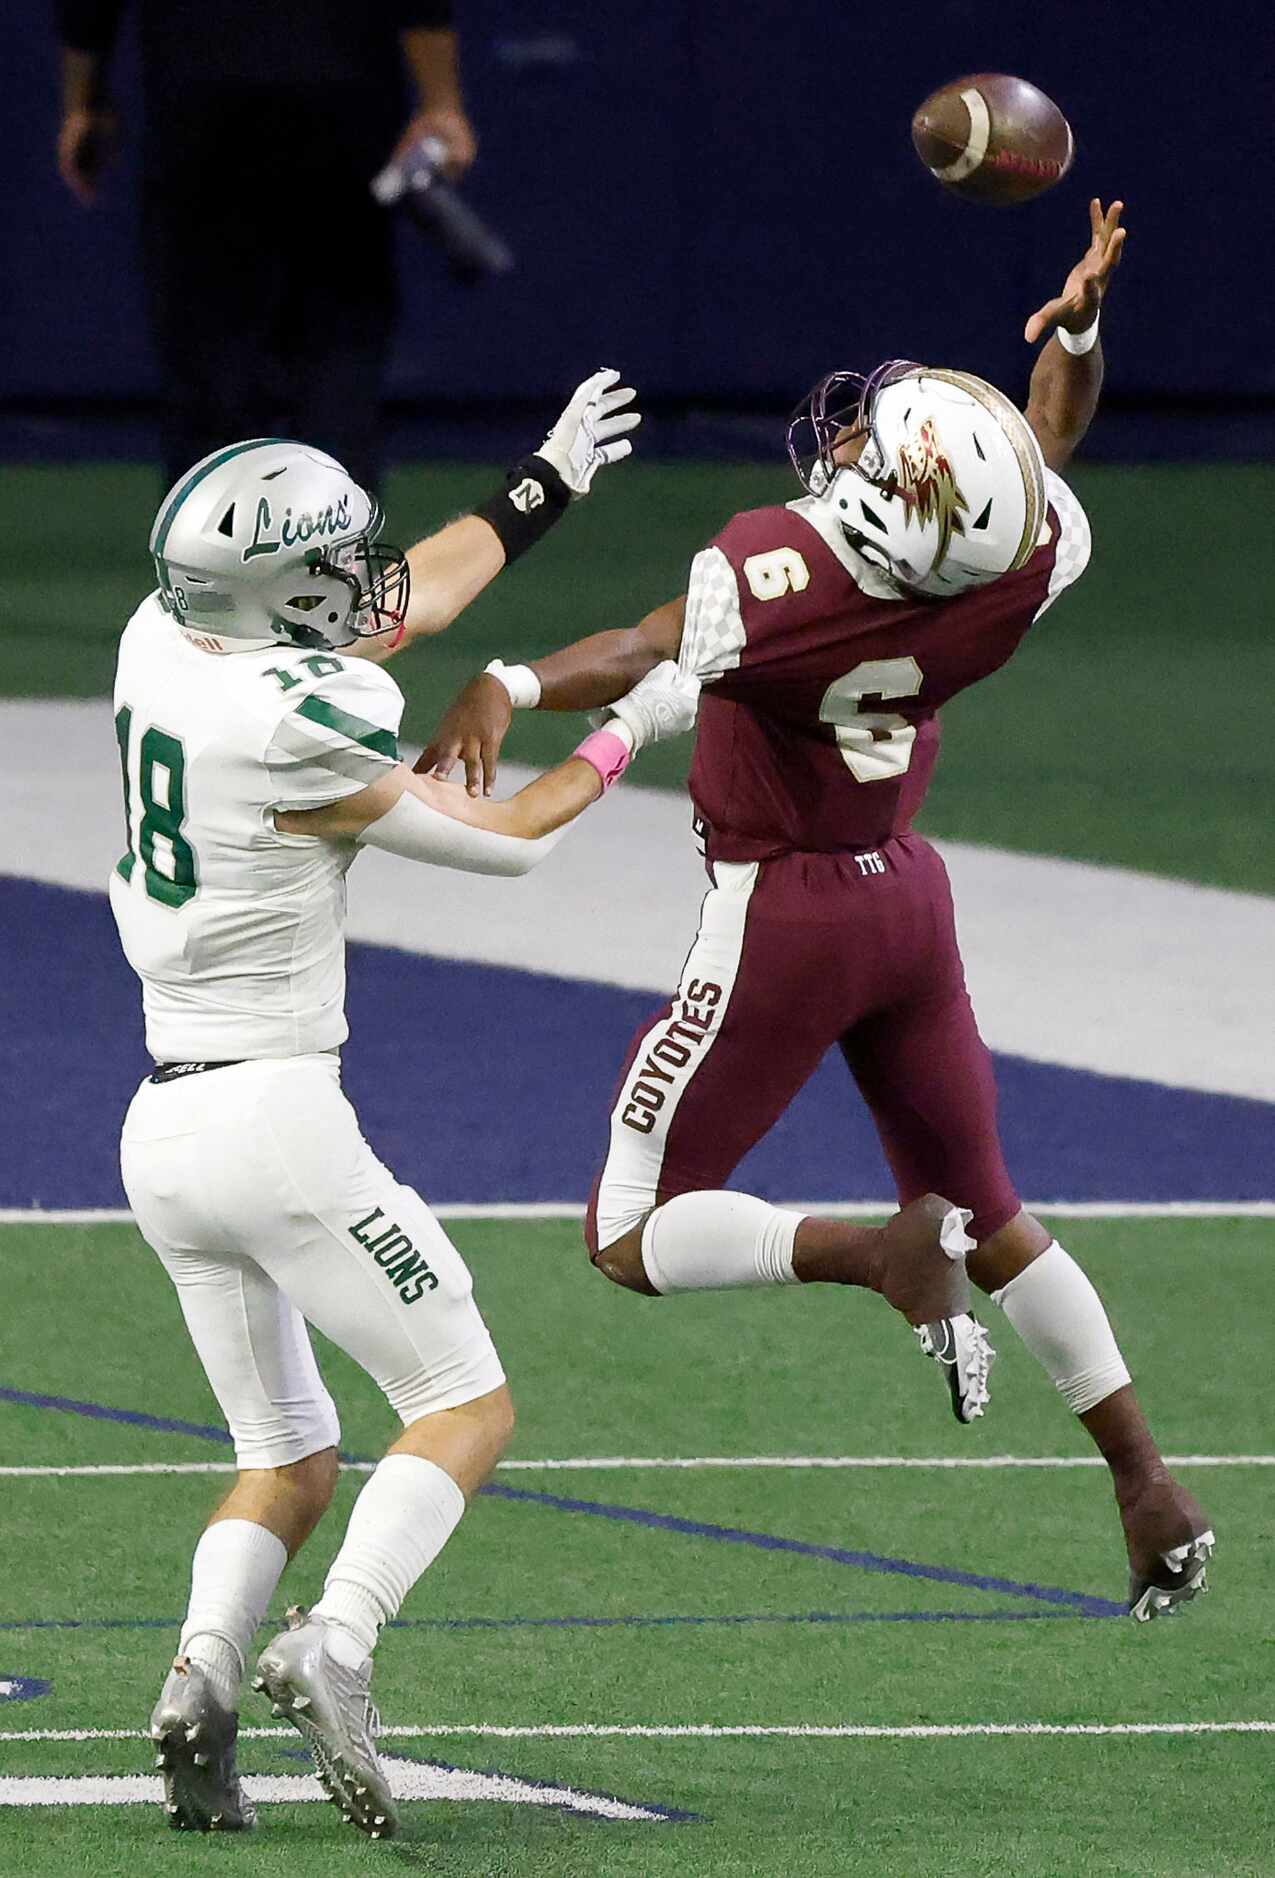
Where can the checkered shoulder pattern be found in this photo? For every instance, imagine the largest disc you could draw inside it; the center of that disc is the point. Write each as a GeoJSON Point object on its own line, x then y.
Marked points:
{"type": "Point", "coordinates": [713, 636]}
{"type": "Point", "coordinates": [1071, 556]}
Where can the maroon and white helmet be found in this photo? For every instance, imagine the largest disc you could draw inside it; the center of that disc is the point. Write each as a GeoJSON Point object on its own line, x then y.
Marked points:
{"type": "Point", "coordinates": [948, 491]}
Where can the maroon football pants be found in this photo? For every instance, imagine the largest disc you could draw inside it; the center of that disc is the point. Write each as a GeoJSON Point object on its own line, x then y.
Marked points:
{"type": "Point", "coordinates": [793, 956]}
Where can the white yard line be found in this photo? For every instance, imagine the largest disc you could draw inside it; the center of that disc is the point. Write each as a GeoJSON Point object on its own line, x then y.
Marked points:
{"type": "Point", "coordinates": [827, 1209]}
{"type": "Point", "coordinates": [675, 1731]}
{"type": "Point", "coordinates": [408, 1781]}
{"type": "Point", "coordinates": [621, 1463]}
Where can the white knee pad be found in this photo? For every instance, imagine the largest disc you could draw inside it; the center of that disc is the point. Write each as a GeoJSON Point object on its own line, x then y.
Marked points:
{"type": "Point", "coordinates": [718, 1242]}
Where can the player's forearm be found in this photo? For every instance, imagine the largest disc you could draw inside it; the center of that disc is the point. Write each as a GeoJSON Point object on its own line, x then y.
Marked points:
{"type": "Point", "coordinates": [546, 803]}
{"type": "Point", "coordinates": [1062, 399]}
{"type": "Point", "coordinates": [606, 666]}
{"type": "Point", "coordinates": [438, 823]}
{"type": "Point", "coordinates": [449, 570]}
{"type": "Point", "coordinates": [550, 801]}
{"type": "Point", "coordinates": [442, 825]}
{"type": "Point", "coordinates": [594, 671]}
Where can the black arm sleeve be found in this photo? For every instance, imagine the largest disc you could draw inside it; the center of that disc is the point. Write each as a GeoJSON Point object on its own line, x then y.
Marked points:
{"type": "Point", "coordinates": [89, 25]}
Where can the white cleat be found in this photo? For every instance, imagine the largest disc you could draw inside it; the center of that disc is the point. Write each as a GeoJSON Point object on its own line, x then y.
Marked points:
{"type": "Point", "coordinates": [331, 1708]}
{"type": "Point", "coordinates": [1184, 1577]}
{"type": "Point", "coordinates": [963, 1350]}
{"type": "Point", "coordinates": [194, 1737]}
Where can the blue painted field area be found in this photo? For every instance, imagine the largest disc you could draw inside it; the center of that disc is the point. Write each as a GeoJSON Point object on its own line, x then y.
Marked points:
{"type": "Point", "coordinates": [480, 1083]}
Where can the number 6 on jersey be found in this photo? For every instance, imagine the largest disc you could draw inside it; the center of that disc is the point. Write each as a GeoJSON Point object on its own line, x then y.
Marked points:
{"type": "Point", "coordinates": [875, 745]}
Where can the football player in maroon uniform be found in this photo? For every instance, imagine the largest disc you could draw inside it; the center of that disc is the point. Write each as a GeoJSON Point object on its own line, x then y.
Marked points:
{"type": "Point", "coordinates": [826, 634]}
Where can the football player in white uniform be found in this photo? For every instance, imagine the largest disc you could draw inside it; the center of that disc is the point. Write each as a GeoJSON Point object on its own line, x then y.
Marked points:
{"type": "Point", "coordinates": [258, 738]}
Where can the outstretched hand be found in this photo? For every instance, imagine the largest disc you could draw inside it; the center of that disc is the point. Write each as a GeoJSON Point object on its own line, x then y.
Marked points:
{"type": "Point", "coordinates": [1076, 307]}
{"type": "Point", "coordinates": [472, 731]}
{"type": "Point", "coordinates": [591, 431]}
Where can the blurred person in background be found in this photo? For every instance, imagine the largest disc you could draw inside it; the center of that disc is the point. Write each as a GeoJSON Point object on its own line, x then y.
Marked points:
{"type": "Point", "coordinates": [269, 267]}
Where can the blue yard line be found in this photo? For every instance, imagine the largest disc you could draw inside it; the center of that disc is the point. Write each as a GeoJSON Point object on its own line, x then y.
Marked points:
{"type": "Point", "coordinates": [1081, 1601]}
{"type": "Point", "coordinates": [136, 1418]}
{"type": "Point", "coordinates": [628, 1622]}
{"type": "Point", "coordinates": [1084, 1603]}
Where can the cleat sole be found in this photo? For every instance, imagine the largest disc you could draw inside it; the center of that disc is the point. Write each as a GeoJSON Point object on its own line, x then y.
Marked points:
{"type": "Point", "coordinates": [1188, 1563]}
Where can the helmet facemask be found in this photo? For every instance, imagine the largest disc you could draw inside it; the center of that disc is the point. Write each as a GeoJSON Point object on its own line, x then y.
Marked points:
{"type": "Point", "coordinates": [377, 577]}
{"type": "Point", "coordinates": [839, 411]}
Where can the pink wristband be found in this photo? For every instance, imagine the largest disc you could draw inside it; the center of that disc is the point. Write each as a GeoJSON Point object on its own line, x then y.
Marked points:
{"type": "Point", "coordinates": [608, 754]}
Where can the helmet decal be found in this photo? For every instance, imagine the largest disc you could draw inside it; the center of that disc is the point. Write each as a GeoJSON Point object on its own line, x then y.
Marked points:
{"type": "Point", "coordinates": [293, 531]}
{"type": "Point", "coordinates": [1018, 431]}
{"type": "Point", "coordinates": [928, 485]}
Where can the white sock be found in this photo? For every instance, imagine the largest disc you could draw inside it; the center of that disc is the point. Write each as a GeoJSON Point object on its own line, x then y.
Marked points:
{"type": "Point", "coordinates": [1060, 1318]}
{"type": "Point", "coordinates": [401, 1521]}
{"type": "Point", "coordinates": [236, 1566]}
{"type": "Point", "coordinates": [717, 1241]}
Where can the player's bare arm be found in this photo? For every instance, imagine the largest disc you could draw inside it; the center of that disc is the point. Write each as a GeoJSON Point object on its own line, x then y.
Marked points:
{"type": "Point", "coordinates": [543, 806]}
{"type": "Point", "coordinates": [582, 677]}
{"type": "Point", "coordinates": [449, 569]}
{"type": "Point", "coordinates": [421, 818]}
{"type": "Point", "coordinates": [1065, 385]}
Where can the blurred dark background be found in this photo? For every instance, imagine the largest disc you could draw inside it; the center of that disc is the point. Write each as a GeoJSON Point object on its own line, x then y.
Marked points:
{"type": "Point", "coordinates": [722, 198]}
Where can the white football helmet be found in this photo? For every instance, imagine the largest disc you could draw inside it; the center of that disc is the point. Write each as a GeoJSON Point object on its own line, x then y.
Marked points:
{"type": "Point", "coordinates": [270, 542]}
{"type": "Point", "coordinates": [948, 491]}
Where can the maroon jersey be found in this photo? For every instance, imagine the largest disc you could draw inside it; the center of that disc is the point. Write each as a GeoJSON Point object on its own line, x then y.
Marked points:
{"type": "Point", "coordinates": [818, 727]}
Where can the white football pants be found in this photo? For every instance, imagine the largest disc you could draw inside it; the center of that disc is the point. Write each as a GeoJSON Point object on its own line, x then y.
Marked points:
{"type": "Point", "coordinates": [268, 1208]}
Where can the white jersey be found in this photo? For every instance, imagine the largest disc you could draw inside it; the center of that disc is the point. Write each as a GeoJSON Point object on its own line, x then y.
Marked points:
{"type": "Point", "coordinates": [235, 930]}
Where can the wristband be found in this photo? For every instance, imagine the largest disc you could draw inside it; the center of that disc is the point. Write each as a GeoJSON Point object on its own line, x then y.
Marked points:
{"type": "Point", "coordinates": [533, 499]}
{"type": "Point", "coordinates": [519, 681]}
{"type": "Point", "coordinates": [609, 753]}
{"type": "Point", "coordinates": [1078, 343]}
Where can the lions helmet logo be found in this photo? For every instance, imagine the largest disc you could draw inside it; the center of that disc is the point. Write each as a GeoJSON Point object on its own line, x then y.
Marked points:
{"type": "Point", "coordinates": [928, 485]}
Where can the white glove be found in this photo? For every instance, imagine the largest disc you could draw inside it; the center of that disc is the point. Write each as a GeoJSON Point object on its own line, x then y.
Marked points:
{"type": "Point", "coordinates": [590, 431]}
{"type": "Point", "coordinates": [663, 704]}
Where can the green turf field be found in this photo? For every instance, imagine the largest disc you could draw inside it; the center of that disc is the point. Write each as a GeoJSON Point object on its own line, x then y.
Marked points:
{"type": "Point", "coordinates": [1132, 729]}
{"type": "Point", "coordinates": [811, 1641]}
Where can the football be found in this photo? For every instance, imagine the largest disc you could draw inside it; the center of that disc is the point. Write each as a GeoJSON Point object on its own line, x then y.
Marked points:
{"type": "Point", "coordinates": [993, 138]}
